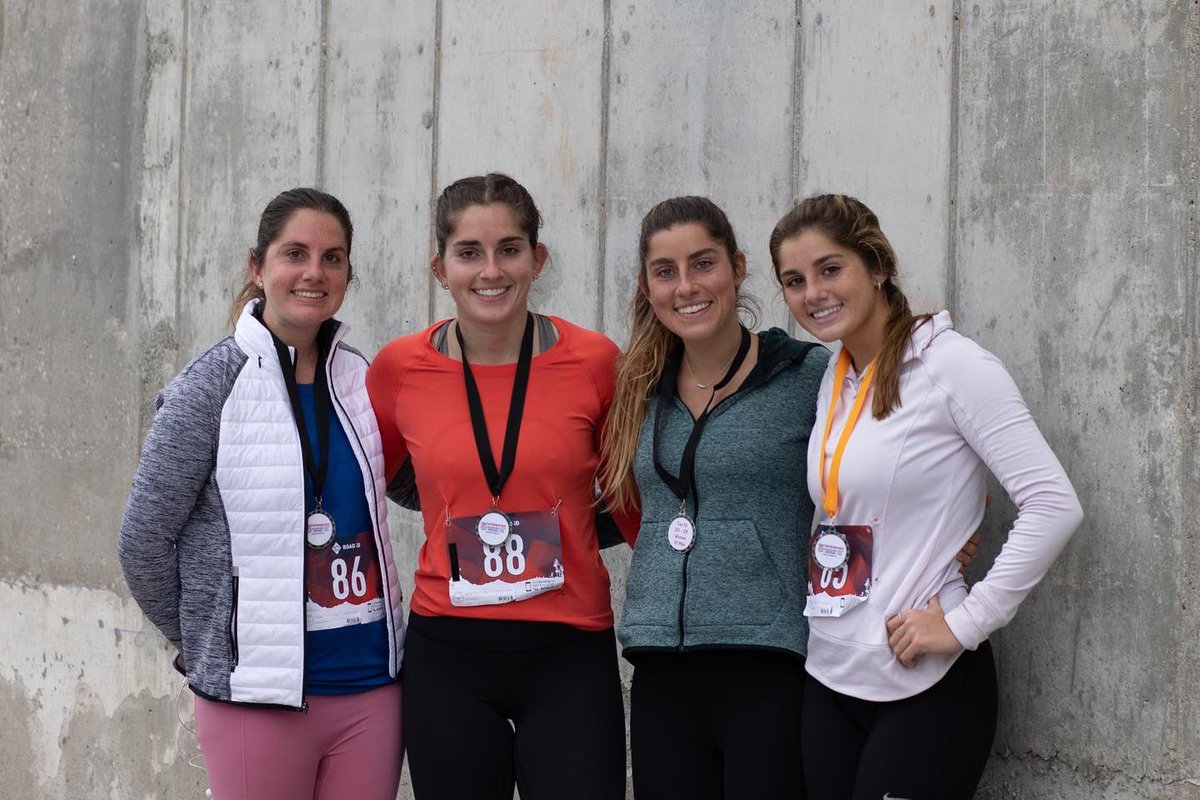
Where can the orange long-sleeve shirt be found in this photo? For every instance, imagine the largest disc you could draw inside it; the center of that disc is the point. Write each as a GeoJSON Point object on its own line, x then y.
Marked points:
{"type": "Point", "coordinates": [421, 404]}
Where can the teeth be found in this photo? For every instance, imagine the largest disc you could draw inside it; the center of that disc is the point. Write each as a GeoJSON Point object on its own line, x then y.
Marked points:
{"type": "Point", "coordinates": [308, 295]}
{"type": "Point", "coordinates": [491, 292]}
{"type": "Point", "coordinates": [825, 312]}
{"type": "Point", "coordinates": [693, 308]}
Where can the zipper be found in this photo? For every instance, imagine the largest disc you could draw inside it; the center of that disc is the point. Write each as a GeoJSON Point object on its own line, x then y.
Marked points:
{"type": "Point", "coordinates": [233, 620]}
{"type": "Point", "coordinates": [380, 551]}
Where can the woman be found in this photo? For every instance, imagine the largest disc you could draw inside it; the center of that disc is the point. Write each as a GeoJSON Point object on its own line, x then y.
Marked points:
{"type": "Point", "coordinates": [710, 428]}
{"type": "Point", "coordinates": [901, 695]}
{"type": "Point", "coordinates": [255, 537]}
{"type": "Point", "coordinates": [511, 671]}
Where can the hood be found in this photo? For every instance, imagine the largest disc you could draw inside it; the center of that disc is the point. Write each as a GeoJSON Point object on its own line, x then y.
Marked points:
{"type": "Point", "coordinates": [775, 346]}
{"type": "Point", "coordinates": [924, 333]}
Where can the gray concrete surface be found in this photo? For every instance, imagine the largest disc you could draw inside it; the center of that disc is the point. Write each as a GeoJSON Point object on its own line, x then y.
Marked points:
{"type": "Point", "coordinates": [1037, 163]}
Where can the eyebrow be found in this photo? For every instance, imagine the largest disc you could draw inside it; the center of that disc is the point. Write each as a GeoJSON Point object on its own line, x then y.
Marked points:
{"type": "Point", "coordinates": [303, 246]}
{"type": "Point", "coordinates": [691, 257]}
{"type": "Point", "coordinates": [477, 243]}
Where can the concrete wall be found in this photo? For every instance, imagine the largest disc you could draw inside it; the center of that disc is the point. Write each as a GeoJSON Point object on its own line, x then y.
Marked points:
{"type": "Point", "coordinates": [1036, 163]}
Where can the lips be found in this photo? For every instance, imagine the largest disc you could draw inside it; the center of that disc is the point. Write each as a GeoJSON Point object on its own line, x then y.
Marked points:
{"type": "Point", "coordinates": [694, 308]}
{"type": "Point", "coordinates": [826, 312]}
{"type": "Point", "coordinates": [308, 295]}
{"type": "Point", "coordinates": [488, 293]}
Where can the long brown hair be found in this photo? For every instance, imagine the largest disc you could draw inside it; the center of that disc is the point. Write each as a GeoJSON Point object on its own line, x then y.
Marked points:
{"type": "Point", "coordinates": [651, 344]}
{"type": "Point", "coordinates": [274, 219]}
{"type": "Point", "coordinates": [849, 222]}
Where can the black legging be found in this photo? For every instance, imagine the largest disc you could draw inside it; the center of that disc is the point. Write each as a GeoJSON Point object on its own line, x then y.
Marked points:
{"type": "Point", "coordinates": [716, 725]}
{"type": "Point", "coordinates": [560, 688]}
{"type": "Point", "coordinates": [932, 746]}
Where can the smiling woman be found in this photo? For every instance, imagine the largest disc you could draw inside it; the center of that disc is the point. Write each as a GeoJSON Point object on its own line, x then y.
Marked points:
{"type": "Point", "coordinates": [261, 475]}
{"type": "Point", "coordinates": [900, 699]}
{"type": "Point", "coordinates": [511, 667]}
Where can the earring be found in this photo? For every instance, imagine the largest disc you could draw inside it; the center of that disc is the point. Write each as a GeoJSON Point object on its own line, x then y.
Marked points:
{"type": "Point", "coordinates": [537, 275]}
{"type": "Point", "coordinates": [878, 285]}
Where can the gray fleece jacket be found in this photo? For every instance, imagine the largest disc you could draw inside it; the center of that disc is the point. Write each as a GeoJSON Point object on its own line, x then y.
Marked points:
{"type": "Point", "coordinates": [742, 583]}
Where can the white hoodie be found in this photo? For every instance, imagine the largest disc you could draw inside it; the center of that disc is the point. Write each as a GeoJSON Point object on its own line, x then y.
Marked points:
{"type": "Point", "coordinates": [918, 478]}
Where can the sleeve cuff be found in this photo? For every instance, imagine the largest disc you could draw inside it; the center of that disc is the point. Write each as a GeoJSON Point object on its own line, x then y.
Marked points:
{"type": "Point", "coordinates": [965, 629]}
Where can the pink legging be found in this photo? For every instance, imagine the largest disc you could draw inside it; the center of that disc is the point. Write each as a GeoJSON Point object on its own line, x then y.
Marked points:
{"type": "Point", "coordinates": [342, 747]}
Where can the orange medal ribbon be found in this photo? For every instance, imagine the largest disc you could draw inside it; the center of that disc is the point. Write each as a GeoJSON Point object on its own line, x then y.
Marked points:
{"type": "Point", "coordinates": [830, 500]}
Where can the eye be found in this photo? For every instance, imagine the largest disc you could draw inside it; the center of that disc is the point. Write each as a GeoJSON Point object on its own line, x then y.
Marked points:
{"type": "Point", "coordinates": [794, 282]}
{"type": "Point", "coordinates": [704, 264]}
{"type": "Point", "coordinates": [468, 254]}
{"type": "Point", "coordinates": [663, 273]}
{"type": "Point", "coordinates": [510, 250]}
{"type": "Point", "coordinates": [294, 254]}
{"type": "Point", "coordinates": [831, 269]}
{"type": "Point", "coordinates": [333, 258]}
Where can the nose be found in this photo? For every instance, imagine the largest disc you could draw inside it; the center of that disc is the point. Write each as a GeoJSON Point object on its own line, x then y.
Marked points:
{"type": "Point", "coordinates": [685, 284]}
{"type": "Point", "coordinates": [491, 268]}
{"type": "Point", "coordinates": [312, 268]}
{"type": "Point", "coordinates": [813, 292]}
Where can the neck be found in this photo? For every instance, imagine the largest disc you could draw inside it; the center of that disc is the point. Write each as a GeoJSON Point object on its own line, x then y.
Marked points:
{"type": "Point", "coordinates": [864, 344]}
{"type": "Point", "coordinates": [498, 343]}
{"type": "Point", "coordinates": [304, 342]}
{"type": "Point", "coordinates": [710, 356]}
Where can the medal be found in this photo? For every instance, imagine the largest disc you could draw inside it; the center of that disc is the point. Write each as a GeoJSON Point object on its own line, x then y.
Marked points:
{"type": "Point", "coordinates": [494, 528]}
{"type": "Point", "coordinates": [830, 548]}
{"type": "Point", "coordinates": [319, 529]}
{"type": "Point", "coordinates": [681, 533]}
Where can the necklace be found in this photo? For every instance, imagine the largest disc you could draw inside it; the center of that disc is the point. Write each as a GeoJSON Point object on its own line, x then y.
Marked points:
{"type": "Point", "coordinates": [719, 372]}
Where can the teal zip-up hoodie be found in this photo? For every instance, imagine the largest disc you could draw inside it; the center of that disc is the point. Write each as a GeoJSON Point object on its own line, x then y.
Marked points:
{"type": "Point", "coordinates": [742, 583]}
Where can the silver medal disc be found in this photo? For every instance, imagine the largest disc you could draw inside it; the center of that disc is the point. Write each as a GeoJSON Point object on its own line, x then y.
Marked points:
{"type": "Point", "coordinates": [318, 529]}
{"type": "Point", "coordinates": [493, 528]}
{"type": "Point", "coordinates": [831, 550]}
{"type": "Point", "coordinates": [681, 533]}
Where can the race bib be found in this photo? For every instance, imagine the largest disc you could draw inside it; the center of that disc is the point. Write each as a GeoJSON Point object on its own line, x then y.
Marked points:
{"type": "Point", "coordinates": [344, 583]}
{"type": "Point", "coordinates": [839, 569]}
{"type": "Point", "coordinates": [529, 562]}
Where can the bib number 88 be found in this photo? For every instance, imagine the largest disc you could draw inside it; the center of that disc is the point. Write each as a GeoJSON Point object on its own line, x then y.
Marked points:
{"type": "Point", "coordinates": [343, 584]}
{"type": "Point", "coordinates": [513, 557]}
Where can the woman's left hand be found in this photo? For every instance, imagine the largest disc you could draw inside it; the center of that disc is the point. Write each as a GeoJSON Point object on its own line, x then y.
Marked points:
{"type": "Point", "coordinates": [914, 632]}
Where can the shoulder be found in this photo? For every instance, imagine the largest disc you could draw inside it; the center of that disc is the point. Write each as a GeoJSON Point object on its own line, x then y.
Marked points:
{"type": "Point", "coordinates": [399, 355]}
{"type": "Point", "coordinates": [971, 376]}
{"type": "Point", "coordinates": [209, 377]}
{"type": "Point", "coordinates": [804, 362]}
{"type": "Point", "coordinates": [586, 344]}
{"type": "Point", "coordinates": [407, 347]}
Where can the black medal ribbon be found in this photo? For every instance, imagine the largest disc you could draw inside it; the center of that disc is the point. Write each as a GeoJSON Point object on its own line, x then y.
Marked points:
{"type": "Point", "coordinates": [681, 485]}
{"type": "Point", "coordinates": [316, 469]}
{"type": "Point", "coordinates": [496, 478]}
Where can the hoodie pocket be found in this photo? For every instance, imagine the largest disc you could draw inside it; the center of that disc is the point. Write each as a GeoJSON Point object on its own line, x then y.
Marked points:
{"type": "Point", "coordinates": [731, 579]}
{"type": "Point", "coordinates": [654, 584]}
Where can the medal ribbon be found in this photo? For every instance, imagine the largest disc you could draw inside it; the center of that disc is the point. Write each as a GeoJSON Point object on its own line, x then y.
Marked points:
{"type": "Point", "coordinates": [496, 478]}
{"type": "Point", "coordinates": [830, 500]}
{"type": "Point", "coordinates": [316, 469]}
{"type": "Point", "coordinates": [682, 484]}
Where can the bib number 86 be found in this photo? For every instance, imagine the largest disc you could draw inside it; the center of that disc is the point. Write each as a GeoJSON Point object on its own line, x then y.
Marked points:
{"type": "Point", "coordinates": [510, 555]}
{"type": "Point", "coordinates": [347, 581]}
